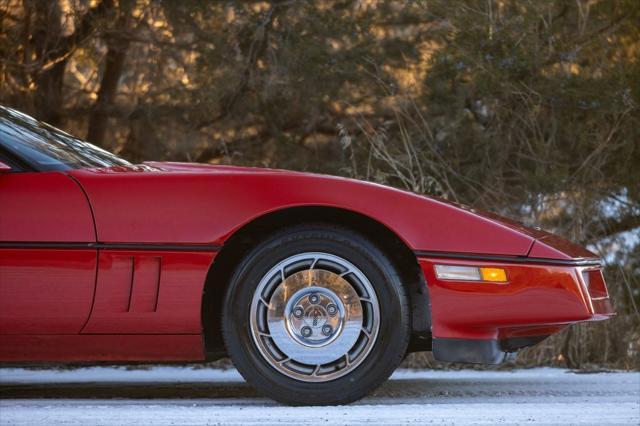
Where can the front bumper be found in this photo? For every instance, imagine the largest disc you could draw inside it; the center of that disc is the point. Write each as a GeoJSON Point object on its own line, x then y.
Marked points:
{"type": "Point", "coordinates": [476, 321]}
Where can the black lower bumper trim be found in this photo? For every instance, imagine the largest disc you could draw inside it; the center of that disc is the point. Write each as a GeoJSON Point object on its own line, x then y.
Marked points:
{"type": "Point", "coordinates": [490, 351]}
{"type": "Point", "coordinates": [471, 351]}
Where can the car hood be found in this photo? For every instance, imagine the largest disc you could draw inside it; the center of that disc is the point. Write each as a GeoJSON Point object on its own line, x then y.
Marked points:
{"type": "Point", "coordinates": [547, 244]}
{"type": "Point", "coordinates": [543, 244]}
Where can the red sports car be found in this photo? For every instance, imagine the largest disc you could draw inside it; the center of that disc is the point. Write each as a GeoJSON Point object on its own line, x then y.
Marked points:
{"type": "Point", "coordinates": [315, 286]}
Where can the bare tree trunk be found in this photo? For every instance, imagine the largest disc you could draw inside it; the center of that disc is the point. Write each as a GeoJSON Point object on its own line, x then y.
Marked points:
{"type": "Point", "coordinates": [47, 32]}
{"type": "Point", "coordinates": [114, 65]}
{"type": "Point", "coordinates": [49, 96]}
{"type": "Point", "coordinates": [118, 44]}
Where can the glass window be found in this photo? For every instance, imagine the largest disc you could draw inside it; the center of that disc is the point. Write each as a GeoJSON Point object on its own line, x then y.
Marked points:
{"type": "Point", "coordinates": [47, 148]}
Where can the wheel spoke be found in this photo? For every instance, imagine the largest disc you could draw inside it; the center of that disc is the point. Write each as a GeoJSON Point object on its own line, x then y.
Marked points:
{"type": "Point", "coordinates": [366, 333]}
{"type": "Point", "coordinates": [316, 370]}
{"type": "Point", "coordinates": [313, 263]}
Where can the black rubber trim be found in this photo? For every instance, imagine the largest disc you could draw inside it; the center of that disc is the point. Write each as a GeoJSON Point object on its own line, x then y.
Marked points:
{"type": "Point", "coordinates": [513, 344]}
{"type": "Point", "coordinates": [162, 247]}
{"type": "Point", "coordinates": [482, 351]}
{"type": "Point", "coordinates": [469, 351]}
{"type": "Point", "coordinates": [515, 259]}
{"type": "Point", "coordinates": [107, 246]}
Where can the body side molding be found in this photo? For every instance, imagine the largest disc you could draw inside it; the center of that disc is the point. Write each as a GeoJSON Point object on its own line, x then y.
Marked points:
{"type": "Point", "coordinates": [106, 246]}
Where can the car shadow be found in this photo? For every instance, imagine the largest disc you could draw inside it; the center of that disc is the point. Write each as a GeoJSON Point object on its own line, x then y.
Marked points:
{"type": "Point", "coordinates": [417, 390]}
{"type": "Point", "coordinates": [119, 390]}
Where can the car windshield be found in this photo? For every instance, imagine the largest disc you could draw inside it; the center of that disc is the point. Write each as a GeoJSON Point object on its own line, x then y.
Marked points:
{"type": "Point", "coordinates": [47, 148]}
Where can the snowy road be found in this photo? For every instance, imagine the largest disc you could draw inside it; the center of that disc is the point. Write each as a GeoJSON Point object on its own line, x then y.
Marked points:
{"type": "Point", "coordinates": [179, 395]}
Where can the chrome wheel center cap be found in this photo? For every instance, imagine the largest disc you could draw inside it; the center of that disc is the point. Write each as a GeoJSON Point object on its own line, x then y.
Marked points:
{"type": "Point", "coordinates": [315, 316]}
{"type": "Point", "coordinates": [314, 324]}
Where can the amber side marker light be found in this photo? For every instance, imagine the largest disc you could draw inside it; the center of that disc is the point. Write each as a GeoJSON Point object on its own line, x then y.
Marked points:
{"type": "Point", "coordinates": [497, 275]}
{"type": "Point", "coordinates": [471, 273]}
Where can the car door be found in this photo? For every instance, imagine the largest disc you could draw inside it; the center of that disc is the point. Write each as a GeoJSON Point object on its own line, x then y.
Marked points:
{"type": "Point", "coordinates": [47, 258]}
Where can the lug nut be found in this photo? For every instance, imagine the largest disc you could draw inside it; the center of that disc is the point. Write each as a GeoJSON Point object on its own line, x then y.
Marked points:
{"type": "Point", "coordinates": [332, 309]}
{"type": "Point", "coordinates": [298, 312]}
{"type": "Point", "coordinates": [306, 331]}
{"type": "Point", "coordinates": [327, 330]}
{"type": "Point", "coordinates": [314, 298]}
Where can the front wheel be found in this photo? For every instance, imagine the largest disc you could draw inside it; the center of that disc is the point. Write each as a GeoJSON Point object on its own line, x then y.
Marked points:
{"type": "Point", "coordinates": [316, 315]}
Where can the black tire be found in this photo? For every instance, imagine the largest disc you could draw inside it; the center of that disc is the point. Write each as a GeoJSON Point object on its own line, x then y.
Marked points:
{"type": "Point", "coordinates": [394, 330]}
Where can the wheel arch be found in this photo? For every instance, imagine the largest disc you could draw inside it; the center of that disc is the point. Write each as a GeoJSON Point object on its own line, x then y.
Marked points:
{"type": "Point", "coordinates": [245, 237]}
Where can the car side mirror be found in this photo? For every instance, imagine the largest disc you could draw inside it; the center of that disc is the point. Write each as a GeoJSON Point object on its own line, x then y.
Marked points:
{"type": "Point", "coordinates": [4, 168]}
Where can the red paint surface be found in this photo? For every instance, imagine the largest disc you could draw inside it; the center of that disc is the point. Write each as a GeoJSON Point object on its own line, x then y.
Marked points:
{"type": "Point", "coordinates": [206, 204]}
{"type": "Point", "coordinates": [45, 291]}
{"type": "Point", "coordinates": [555, 247]}
{"type": "Point", "coordinates": [43, 207]}
{"type": "Point", "coordinates": [126, 300]}
{"type": "Point", "coordinates": [69, 348]}
{"type": "Point", "coordinates": [536, 298]}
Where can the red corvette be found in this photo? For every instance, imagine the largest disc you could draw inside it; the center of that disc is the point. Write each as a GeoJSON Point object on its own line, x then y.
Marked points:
{"type": "Point", "coordinates": [315, 286]}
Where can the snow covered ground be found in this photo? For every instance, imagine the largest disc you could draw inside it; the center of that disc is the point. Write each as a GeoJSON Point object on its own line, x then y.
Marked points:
{"type": "Point", "coordinates": [182, 395]}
